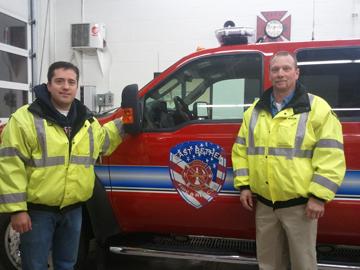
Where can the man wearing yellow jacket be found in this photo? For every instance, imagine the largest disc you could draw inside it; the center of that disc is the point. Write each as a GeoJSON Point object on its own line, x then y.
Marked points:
{"type": "Point", "coordinates": [47, 158]}
{"type": "Point", "coordinates": [289, 152]}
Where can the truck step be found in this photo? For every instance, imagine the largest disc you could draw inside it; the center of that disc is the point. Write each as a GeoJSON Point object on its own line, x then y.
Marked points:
{"type": "Point", "coordinates": [226, 250]}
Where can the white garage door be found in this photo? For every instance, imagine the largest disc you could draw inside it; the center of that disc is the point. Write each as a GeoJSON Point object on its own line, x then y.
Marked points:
{"type": "Point", "coordinates": [15, 61]}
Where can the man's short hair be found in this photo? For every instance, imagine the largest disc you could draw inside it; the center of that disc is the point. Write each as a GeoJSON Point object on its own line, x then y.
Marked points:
{"type": "Point", "coordinates": [64, 65]}
{"type": "Point", "coordinates": [284, 53]}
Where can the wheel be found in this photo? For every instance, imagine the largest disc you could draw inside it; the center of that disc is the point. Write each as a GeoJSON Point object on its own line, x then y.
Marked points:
{"type": "Point", "coordinates": [9, 245]}
{"type": "Point", "coordinates": [10, 252]}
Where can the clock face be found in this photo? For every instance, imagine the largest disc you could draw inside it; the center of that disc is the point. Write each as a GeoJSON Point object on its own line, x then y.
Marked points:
{"type": "Point", "coordinates": [274, 29]}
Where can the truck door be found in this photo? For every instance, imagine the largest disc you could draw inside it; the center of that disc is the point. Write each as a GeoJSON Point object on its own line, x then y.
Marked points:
{"type": "Point", "coordinates": [196, 111]}
{"type": "Point", "coordinates": [333, 73]}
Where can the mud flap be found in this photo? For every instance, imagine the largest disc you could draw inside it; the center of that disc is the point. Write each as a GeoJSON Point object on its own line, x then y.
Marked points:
{"type": "Point", "coordinates": [102, 217]}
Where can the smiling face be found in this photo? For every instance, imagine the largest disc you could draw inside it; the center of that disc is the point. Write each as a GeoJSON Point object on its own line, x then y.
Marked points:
{"type": "Point", "coordinates": [283, 73]}
{"type": "Point", "coordinates": [63, 88]}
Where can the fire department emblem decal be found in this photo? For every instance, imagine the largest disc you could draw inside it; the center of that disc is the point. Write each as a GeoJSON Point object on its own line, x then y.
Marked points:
{"type": "Point", "coordinates": [198, 171]}
{"type": "Point", "coordinates": [273, 26]}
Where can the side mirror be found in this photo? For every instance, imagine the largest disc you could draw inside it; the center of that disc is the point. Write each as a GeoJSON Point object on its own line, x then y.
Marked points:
{"type": "Point", "coordinates": [201, 110]}
{"type": "Point", "coordinates": [131, 107]}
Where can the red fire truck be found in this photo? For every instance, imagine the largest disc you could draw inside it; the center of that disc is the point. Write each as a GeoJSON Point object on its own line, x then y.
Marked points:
{"type": "Point", "coordinates": [170, 183]}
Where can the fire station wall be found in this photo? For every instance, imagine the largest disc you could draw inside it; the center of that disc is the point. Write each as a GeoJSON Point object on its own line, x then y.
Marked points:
{"type": "Point", "coordinates": [143, 37]}
{"type": "Point", "coordinates": [16, 7]}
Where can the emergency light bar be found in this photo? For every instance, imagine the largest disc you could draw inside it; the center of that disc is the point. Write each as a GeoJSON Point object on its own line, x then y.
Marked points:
{"type": "Point", "coordinates": [234, 35]}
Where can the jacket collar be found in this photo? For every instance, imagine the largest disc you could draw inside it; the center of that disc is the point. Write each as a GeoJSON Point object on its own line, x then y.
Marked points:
{"type": "Point", "coordinates": [299, 103]}
{"type": "Point", "coordinates": [43, 107]}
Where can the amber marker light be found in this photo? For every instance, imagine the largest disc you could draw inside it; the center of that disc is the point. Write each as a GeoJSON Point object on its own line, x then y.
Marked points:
{"type": "Point", "coordinates": [128, 116]}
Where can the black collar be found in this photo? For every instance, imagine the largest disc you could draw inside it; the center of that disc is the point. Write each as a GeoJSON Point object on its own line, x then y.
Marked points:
{"type": "Point", "coordinates": [78, 114]}
{"type": "Point", "coordinates": [300, 102]}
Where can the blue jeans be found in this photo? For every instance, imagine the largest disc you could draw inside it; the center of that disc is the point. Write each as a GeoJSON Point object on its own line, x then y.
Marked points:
{"type": "Point", "coordinates": [55, 232]}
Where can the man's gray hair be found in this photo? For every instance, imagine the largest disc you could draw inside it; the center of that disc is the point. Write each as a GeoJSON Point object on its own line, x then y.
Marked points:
{"type": "Point", "coordinates": [284, 53]}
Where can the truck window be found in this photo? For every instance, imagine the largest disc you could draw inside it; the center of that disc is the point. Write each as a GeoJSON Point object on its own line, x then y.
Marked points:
{"type": "Point", "coordinates": [217, 87]}
{"type": "Point", "coordinates": [333, 74]}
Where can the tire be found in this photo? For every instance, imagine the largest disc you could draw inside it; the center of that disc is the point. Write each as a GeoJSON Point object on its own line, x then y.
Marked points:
{"type": "Point", "coordinates": [9, 245]}
{"type": "Point", "coordinates": [10, 242]}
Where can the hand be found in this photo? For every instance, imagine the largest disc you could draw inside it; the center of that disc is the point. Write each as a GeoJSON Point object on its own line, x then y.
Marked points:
{"type": "Point", "coordinates": [21, 222]}
{"type": "Point", "coordinates": [246, 199]}
{"type": "Point", "coordinates": [314, 208]}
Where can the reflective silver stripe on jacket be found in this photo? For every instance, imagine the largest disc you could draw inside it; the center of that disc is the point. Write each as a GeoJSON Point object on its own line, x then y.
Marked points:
{"type": "Point", "coordinates": [301, 128]}
{"type": "Point", "coordinates": [253, 121]}
{"type": "Point", "coordinates": [252, 150]}
{"type": "Point", "coordinates": [323, 181]}
{"type": "Point", "coordinates": [91, 142]}
{"type": "Point", "coordinates": [9, 152]}
{"type": "Point", "coordinates": [45, 161]}
{"type": "Point", "coordinates": [240, 140]}
{"type": "Point", "coordinates": [256, 150]}
{"type": "Point", "coordinates": [289, 153]}
{"type": "Point", "coordinates": [241, 172]}
{"type": "Point", "coordinates": [119, 126]}
{"type": "Point", "coordinates": [13, 198]}
{"type": "Point", "coordinates": [106, 144]}
{"type": "Point", "coordinates": [14, 152]}
{"type": "Point", "coordinates": [329, 143]}
{"type": "Point", "coordinates": [86, 160]}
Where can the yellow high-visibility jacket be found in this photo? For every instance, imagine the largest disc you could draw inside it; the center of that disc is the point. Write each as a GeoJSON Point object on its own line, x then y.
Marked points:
{"type": "Point", "coordinates": [39, 166]}
{"type": "Point", "coordinates": [293, 155]}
